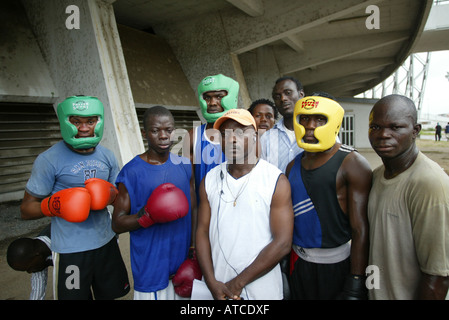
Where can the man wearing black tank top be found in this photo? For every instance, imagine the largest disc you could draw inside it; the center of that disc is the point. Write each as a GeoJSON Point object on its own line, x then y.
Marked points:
{"type": "Point", "coordinates": [330, 187]}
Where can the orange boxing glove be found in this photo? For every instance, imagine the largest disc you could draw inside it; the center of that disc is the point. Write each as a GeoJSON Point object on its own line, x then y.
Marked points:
{"type": "Point", "coordinates": [72, 205]}
{"type": "Point", "coordinates": [102, 193]}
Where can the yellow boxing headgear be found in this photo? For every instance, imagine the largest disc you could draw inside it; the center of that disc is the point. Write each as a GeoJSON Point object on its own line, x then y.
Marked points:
{"type": "Point", "coordinates": [327, 134]}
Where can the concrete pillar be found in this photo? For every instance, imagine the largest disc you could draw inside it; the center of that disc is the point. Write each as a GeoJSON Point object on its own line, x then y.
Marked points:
{"type": "Point", "coordinates": [24, 75]}
{"type": "Point", "coordinates": [261, 71]}
{"type": "Point", "coordinates": [89, 61]}
{"type": "Point", "coordinates": [121, 103]}
{"type": "Point", "coordinates": [201, 47]}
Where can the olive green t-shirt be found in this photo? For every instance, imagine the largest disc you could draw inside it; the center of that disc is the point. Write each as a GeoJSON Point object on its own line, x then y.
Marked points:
{"type": "Point", "coordinates": [409, 228]}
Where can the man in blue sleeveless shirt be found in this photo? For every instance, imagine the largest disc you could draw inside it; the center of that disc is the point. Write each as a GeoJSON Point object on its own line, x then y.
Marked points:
{"type": "Point", "coordinates": [86, 250]}
{"type": "Point", "coordinates": [157, 250]}
{"type": "Point", "coordinates": [330, 187]}
{"type": "Point", "coordinates": [216, 94]}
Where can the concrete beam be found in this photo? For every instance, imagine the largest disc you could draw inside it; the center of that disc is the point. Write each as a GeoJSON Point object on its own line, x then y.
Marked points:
{"type": "Point", "coordinates": [294, 42]}
{"type": "Point", "coordinates": [350, 90]}
{"type": "Point", "coordinates": [432, 40]}
{"type": "Point", "coordinates": [334, 85]}
{"type": "Point", "coordinates": [341, 68]}
{"type": "Point", "coordinates": [296, 16]}
{"type": "Point", "coordinates": [290, 61]}
{"type": "Point", "coordinates": [253, 8]}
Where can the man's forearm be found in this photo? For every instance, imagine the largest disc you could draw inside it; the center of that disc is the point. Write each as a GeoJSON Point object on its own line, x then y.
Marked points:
{"type": "Point", "coordinates": [267, 259]}
{"type": "Point", "coordinates": [359, 255]}
{"type": "Point", "coordinates": [433, 287]}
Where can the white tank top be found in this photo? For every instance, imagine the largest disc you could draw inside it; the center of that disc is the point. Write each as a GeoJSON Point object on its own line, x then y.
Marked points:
{"type": "Point", "coordinates": [239, 233]}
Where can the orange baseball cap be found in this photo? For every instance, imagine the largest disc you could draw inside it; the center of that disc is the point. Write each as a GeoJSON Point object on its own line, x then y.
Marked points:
{"type": "Point", "coordinates": [242, 116]}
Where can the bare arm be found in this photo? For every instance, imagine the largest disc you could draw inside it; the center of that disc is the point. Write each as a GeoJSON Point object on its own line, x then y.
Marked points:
{"type": "Point", "coordinates": [281, 223]}
{"type": "Point", "coordinates": [358, 176]}
{"type": "Point", "coordinates": [187, 145]}
{"type": "Point", "coordinates": [188, 153]}
{"type": "Point", "coordinates": [289, 168]}
{"type": "Point", "coordinates": [433, 287]}
{"type": "Point", "coordinates": [193, 210]}
{"type": "Point", "coordinates": [203, 249]}
{"type": "Point", "coordinates": [122, 221]}
{"type": "Point", "coordinates": [30, 208]}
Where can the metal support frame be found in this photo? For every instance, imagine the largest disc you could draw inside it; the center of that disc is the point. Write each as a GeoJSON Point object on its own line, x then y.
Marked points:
{"type": "Point", "coordinates": [409, 80]}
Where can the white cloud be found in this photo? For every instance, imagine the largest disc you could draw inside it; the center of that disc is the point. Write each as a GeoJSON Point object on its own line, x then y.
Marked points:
{"type": "Point", "coordinates": [436, 94]}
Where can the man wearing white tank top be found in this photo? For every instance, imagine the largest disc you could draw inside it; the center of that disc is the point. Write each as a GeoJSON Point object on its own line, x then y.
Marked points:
{"type": "Point", "coordinates": [245, 217]}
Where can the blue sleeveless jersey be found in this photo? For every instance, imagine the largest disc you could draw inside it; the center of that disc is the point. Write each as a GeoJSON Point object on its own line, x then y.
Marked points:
{"type": "Point", "coordinates": [207, 155]}
{"type": "Point", "coordinates": [156, 251]}
{"type": "Point", "coordinates": [307, 226]}
{"type": "Point", "coordinates": [319, 220]}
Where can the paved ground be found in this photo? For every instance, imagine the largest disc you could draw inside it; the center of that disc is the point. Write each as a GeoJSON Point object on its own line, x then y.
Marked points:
{"type": "Point", "coordinates": [16, 285]}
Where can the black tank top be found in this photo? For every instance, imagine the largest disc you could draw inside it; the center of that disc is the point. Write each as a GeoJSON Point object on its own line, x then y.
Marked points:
{"type": "Point", "coordinates": [321, 185]}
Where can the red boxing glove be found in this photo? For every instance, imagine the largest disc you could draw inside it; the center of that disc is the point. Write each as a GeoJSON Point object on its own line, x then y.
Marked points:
{"type": "Point", "coordinates": [187, 272]}
{"type": "Point", "coordinates": [167, 203]}
{"type": "Point", "coordinates": [102, 193]}
{"type": "Point", "coordinates": [73, 205]}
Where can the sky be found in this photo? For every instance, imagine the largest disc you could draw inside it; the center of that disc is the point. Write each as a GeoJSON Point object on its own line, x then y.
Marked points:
{"type": "Point", "coordinates": [436, 93]}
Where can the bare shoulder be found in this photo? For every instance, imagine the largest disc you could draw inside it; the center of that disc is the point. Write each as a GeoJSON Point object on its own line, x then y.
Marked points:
{"type": "Point", "coordinates": [282, 187]}
{"type": "Point", "coordinates": [356, 165]}
{"type": "Point", "coordinates": [355, 158]}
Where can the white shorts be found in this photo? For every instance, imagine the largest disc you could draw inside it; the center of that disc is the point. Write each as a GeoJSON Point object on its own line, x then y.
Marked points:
{"type": "Point", "coordinates": [164, 294]}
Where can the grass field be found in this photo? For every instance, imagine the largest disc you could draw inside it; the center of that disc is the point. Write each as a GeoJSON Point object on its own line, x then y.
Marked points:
{"type": "Point", "coordinates": [438, 151]}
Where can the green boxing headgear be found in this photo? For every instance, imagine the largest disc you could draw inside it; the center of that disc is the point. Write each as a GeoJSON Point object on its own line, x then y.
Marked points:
{"type": "Point", "coordinates": [217, 83]}
{"type": "Point", "coordinates": [80, 106]}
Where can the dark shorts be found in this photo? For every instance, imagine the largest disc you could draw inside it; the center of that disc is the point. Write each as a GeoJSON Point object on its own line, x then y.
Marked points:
{"type": "Point", "coordinates": [100, 274]}
{"type": "Point", "coordinates": [315, 281]}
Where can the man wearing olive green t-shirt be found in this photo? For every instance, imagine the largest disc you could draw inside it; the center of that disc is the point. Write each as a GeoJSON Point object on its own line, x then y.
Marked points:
{"type": "Point", "coordinates": [408, 208]}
